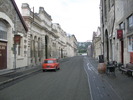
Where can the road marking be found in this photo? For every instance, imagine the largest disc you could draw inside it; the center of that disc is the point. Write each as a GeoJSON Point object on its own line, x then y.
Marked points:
{"type": "Point", "coordinates": [91, 68]}
{"type": "Point", "coordinates": [88, 83]}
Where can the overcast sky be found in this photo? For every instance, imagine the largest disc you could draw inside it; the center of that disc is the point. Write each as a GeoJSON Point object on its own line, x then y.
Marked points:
{"type": "Point", "coordinates": [78, 17]}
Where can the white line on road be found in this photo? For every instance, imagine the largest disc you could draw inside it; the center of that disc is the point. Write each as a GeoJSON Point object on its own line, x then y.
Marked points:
{"type": "Point", "coordinates": [88, 81]}
{"type": "Point", "coordinates": [90, 67]}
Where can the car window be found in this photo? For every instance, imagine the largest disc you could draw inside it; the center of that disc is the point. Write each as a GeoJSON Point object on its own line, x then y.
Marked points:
{"type": "Point", "coordinates": [49, 61]}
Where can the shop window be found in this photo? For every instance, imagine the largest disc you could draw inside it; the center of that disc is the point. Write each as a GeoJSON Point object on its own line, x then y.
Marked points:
{"type": "Point", "coordinates": [130, 23]}
{"type": "Point", "coordinates": [130, 44]}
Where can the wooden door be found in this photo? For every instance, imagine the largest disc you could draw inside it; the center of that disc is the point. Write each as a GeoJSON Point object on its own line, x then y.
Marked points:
{"type": "Point", "coordinates": [3, 55]}
{"type": "Point", "coordinates": [122, 52]}
{"type": "Point", "coordinates": [131, 57]}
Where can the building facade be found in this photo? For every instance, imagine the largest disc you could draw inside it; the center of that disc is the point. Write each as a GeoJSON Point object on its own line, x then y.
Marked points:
{"type": "Point", "coordinates": [13, 37]}
{"type": "Point", "coordinates": [97, 44]}
{"type": "Point", "coordinates": [28, 39]}
{"type": "Point", "coordinates": [46, 39]}
{"type": "Point", "coordinates": [41, 35]}
{"type": "Point", "coordinates": [117, 30]}
{"type": "Point", "coordinates": [71, 46]}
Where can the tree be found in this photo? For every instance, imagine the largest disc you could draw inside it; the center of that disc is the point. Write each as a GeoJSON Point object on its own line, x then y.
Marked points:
{"type": "Point", "coordinates": [82, 46]}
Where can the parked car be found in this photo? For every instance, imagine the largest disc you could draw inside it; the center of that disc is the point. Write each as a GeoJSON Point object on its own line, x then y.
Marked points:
{"type": "Point", "coordinates": [50, 64]}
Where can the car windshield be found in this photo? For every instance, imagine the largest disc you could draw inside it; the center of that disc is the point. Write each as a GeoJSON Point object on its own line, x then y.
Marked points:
{"type": "Point", "coordinates": [49, 61]}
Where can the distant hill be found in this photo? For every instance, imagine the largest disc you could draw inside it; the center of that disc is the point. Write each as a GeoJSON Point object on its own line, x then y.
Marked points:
{"type": "Point", "coordinates": [82, 47]}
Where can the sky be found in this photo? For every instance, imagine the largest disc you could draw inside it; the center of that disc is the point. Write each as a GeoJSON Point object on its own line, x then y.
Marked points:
{"type": "Point", "coordinates": [78, 17]}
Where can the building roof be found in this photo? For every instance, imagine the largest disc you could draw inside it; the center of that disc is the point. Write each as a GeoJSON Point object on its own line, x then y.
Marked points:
{"type": "Point", "coordinates": [19, 14]}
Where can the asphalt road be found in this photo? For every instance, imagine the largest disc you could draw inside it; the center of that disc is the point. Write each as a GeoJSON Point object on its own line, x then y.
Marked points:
{"type": "Point", "coordinates": [100, 88]}
{"type": "Point", "coordinates": [69, 83]}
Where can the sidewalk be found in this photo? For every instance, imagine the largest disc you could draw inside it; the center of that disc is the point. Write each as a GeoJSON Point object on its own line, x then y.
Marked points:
{"type": "Point", "coordinates": [16, 74]}
{"type": "Point", "coordinates": [121, 83]}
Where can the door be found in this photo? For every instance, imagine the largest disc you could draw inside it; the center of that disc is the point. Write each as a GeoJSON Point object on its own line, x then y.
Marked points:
{"type": "Point", "coordinates": [3, 55]}
{"type": "Point", "coordinates": [131, 57]}
{"type": "Point", "coordinates": [122, 52]}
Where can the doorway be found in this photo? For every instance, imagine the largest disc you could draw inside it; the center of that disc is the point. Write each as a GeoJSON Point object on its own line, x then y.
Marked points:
{"type": "Point", "coordinates": [3, 44]}
{"type": "Point", "coordinates": [3, 55]}
{"type": "Point", "coordinates": [46, 47]}
{"type": "Point", "coordinates": [107, 45]}
{"type": "Point", "coordinates": [122, 52]}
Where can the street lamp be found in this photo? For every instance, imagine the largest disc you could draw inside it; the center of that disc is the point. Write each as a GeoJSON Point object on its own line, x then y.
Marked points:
{"type": "Point", "coordinates": [17, 39]}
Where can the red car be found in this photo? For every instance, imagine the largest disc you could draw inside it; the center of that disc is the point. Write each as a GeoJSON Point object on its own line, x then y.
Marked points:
{"type": "Point", "coordinates": [50, 64]}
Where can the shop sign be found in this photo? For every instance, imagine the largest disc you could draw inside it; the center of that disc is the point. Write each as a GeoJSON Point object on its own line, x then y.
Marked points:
{"type": "Point", "coordinates": [17, 39]}
{"type": "Point", "coordinates": [119, 34]}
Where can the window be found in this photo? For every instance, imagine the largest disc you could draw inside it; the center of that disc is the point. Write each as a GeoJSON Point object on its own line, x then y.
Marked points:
{"type": "Point", "coordinates": [3, 31]}
{"type": "Point", "coordinates": [39, 48]}
{"type": "Point", "coordinates": [19, 47]}
{"type": "Point", "coordinates": [105, 8]}
{"type": "Point", "coordinates": [109, 7]}
{"type": "Point", "coordinates": [122, 25]}
{"type": "Point", "coordinates": [130, 44]}
{"type": "Point", "coordinates": [31, 46]}
{"type": "Point", "coordinates": [130, 23]}
{"type": "Point", "coordinates": [49, 61]}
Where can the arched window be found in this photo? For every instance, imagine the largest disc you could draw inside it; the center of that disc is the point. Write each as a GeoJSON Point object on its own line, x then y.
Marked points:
{"type": "Point", "coordinates": [3, 31]}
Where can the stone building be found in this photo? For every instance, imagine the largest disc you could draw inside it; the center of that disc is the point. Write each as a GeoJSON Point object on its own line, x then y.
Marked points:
{"type": "Point", "coordinates": [46, 39]}
{"type": "Point", "coordinates": [28, 39]}
{"type": "Point", "coordinates": [61, 42]}
{"type": "Point", "coordinates": [107, 9]}
{"type": "Point", "coordinates": [90, 50]}
{"type": "Point", "coordinates": [74, 43]}
{"type": "Point", "coordinates": [97, 44]}
{"type": "Point", "coordinates": [71, 46]}
{"type": "Point", "coordinates": [66, 44]}
{"type": "Point", "coordinates": [13, 37]}
{"type": "Point", "coordinates": [117, 30]}
{"type": "Point", "coordinates": [42, 35]}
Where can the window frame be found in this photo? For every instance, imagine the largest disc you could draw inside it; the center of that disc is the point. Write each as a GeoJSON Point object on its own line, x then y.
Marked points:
{"type": "Point", "coordinates": [130, 23]}
{"type": "Point", "coordinates": [130, 43]}
{"type": "Point", "coordinates": [3, 31]}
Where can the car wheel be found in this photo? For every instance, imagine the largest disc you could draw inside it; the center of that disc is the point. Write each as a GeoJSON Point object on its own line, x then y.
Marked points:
{"type": "Point", "coordinates": [55, 69]}
{"type": "Point", "coordinates": [44, 70]}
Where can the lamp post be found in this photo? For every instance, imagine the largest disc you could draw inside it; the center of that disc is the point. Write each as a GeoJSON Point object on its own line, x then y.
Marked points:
{"type": "Point", "coordinates": [16, 41]}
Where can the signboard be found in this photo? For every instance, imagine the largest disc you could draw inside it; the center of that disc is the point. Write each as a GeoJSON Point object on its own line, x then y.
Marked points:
{"type": "Point", "coordinates": [17, 39]}
{"type": "Point", "coordinates": [119, 34]}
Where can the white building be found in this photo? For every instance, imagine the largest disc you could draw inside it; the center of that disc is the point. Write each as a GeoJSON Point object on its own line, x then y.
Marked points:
{"type": "Point", "coordinates": [42, 35]}
{"type": "Point", "coordinates": [28, 40]}
{"type": "Point", "coordinates": [97, 43]}
{"type": "Point", "coordinates": [13, 37]}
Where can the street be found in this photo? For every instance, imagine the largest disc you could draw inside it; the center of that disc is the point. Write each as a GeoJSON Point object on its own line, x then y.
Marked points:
{"type": "Point", "coordinates": [99, 87]}
{"type": "Point", "coordinates": [78, 79]}
{"type": "Point", "coordinates": [69, 83]}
